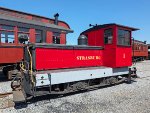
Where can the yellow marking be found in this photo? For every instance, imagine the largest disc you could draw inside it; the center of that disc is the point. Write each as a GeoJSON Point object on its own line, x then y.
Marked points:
{"type": "Point", "coordinates": [88, 57]}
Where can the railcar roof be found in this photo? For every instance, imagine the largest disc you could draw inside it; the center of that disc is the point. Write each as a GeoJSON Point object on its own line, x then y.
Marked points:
{"type": "Point", "coordinates": [138, 41]}
{"type": "Point", "coordinates": [11, 10]}
{"type": "Point", "coordinates": [32, 22]}
{"type": "Point", "coordinates": [108, 25]}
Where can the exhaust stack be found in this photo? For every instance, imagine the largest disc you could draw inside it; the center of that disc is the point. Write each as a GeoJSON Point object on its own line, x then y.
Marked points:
{"type": "Point", "coordinates": [56, 18]}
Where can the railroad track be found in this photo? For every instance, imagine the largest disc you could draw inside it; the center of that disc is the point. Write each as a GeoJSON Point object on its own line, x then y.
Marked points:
{"type": "Point", "coordinates": [143, 77]}
{"type": "Point", "coordinates": [6, 101]}
{"type": "Point", "coordinates": [2, 95]}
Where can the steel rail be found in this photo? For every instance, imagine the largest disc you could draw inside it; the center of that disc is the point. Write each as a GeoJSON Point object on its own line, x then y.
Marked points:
{"type": "Point", "coordinates": [2, 95]}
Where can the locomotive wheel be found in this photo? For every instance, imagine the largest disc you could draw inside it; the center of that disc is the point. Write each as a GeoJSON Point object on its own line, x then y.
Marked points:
{"type": "Point", "coordinates": [113, 80]}
{"type": "Point", "coordinates": [79, 86]}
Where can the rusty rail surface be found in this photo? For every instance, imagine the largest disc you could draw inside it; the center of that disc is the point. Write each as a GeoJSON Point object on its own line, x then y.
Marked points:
{"type": "Point", "coordinates": [2, 95]}
{"type": "Point", "coordinates": [6, 102]}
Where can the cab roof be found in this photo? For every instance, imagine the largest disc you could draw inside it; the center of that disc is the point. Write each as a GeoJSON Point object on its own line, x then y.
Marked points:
{"type": "Point", "coordinates": [97, 27]}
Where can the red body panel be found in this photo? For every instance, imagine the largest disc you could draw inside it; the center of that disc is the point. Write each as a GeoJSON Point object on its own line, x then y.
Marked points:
{"type": "Point", "coordinates": [10, 55]}
{"type": "Point", "coordinates": [118, 57]}
{"type": "Point", "coordinates": [109, 57]}
{"type": "Point", "coordinates": [67, 58]}
{"type": "Point", "coordinates": [140, 53]}
{"type": "Point", "coordinates": [95, 38]}
{"type": "Point", "coordinates": [123, 56]}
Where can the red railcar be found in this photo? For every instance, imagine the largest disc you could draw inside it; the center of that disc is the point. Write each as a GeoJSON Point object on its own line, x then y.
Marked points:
{"type": "Point", "coordinates": [148, 51]}
{"type": "Point", "coordinates": [139, 50]}
{"type": "Point", "coordinates": [15, 25]}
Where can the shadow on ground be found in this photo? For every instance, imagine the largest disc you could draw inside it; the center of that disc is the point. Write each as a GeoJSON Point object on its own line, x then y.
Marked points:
{"type": "Point", "coordinates": [3, 78]}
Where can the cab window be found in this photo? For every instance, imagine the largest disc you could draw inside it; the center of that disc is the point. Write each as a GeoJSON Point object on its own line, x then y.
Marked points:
{"type": "Point", "coordinates": [123, 37]}
{"type": "Point", "coordinates": [108, 36]}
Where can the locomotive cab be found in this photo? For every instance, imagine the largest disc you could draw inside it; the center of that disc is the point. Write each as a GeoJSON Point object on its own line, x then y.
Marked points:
{"type": "Point", "coordinates": [116, 40]}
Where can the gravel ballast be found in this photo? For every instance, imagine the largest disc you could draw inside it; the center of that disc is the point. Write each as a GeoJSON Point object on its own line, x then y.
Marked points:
{"type": "Point", "coordinates": [122, 98]}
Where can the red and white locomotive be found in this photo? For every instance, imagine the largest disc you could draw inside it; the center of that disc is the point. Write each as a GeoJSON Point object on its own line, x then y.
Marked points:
{"type": "Point", "coordinates": [33, 49]}
{"type": "Point", "coordinates": [102, 57]}
{"type": "Point", "coordinates": [49, 66]}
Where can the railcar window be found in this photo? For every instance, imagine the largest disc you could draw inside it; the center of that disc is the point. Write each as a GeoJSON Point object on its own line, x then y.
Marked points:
{"type": "Point", "coordinates": [5, 27]}
{"type": "Point", "coordinates": [3, 39]}
{"type": "Point", "coordinates": [21, 29]}
{"type": "Point", "coordinates": [7, 37]}
{"type": "Point", "coordinates": [56, 38]}
{"type": "Point", "coordinates": [108, 36]}
{"type": "Point", "coordinates": [11, 37]}
{"type": "Point", "coordinates": [23, 35]}
{"type": "Point", "coordinates": [123, 37]}
{"type": "Point", "coordinates": [38, 36]}
{"type": "Point", "coordinates": [23, 38]}
{"type": "Point", "coordinates": [7, 34]}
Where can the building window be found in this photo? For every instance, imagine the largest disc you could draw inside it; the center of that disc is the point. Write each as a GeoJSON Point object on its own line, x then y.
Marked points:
{"type": "Point", "coordinates": [108, 36]}
{"type": "Point", "coordinates": [123, 37]}
{"type": "Point", "coordinates": [56, 38]}
{"type": "Point", "coordinates": [7, 34]}
{"type": "Point", "coordinates": [38, 36]}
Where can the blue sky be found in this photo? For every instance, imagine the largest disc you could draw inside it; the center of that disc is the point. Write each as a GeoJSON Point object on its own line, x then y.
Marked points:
{"type": "Point", "coordinates": [80, 13]}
